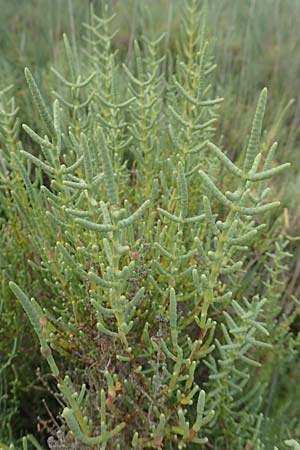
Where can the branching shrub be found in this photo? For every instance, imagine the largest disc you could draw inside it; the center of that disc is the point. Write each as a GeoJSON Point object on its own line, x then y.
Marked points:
{"type": "Point", "coordinates": [144, 235]}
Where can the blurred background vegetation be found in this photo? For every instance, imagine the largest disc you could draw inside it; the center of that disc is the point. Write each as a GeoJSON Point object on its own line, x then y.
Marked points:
{"type": "Point", "coordinates": [254, 43]}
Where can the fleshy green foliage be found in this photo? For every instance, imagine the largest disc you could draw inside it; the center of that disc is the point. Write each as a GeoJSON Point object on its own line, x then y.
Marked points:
{"type": "Point", "coordinates": [159, 282]}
